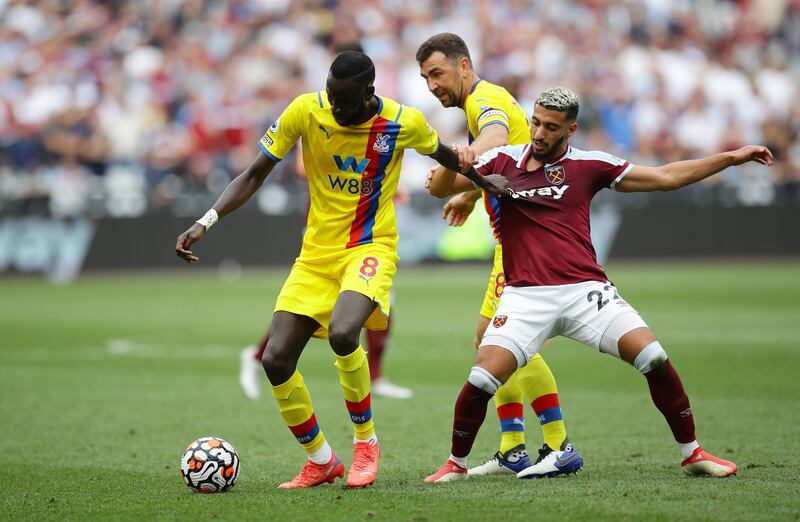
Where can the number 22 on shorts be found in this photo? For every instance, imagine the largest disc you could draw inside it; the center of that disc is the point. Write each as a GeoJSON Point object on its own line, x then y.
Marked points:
{"type": "Point", "coordinates": [601, 302]}
{"type": "Point", "coordinates": [369, 268]}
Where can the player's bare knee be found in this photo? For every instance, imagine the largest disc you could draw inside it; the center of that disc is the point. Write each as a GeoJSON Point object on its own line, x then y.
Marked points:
{"type": "Point", "coordinates": [651, 357]}
{"type": "Point", "coordinates": [278, 365]}
{"type": "Point", "coordinates": [497, 361]}
{"type": "Point", "coordinates": [278, 369]}
{"type": "Point", "coordinates": [343, 338]}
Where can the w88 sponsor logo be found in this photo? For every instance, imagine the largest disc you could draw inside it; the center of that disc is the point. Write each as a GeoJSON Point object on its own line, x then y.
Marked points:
{"type": "Point", "coordinates": [351, 185]}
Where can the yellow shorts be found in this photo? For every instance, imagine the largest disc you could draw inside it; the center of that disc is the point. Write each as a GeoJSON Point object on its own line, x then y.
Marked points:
{"type": "Point", "coordinates": [313, 286]}
{"type": "Point", "coordinates": [497, 281]}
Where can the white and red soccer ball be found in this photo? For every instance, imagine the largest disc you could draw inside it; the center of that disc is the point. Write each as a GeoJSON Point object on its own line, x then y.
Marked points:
{"type": "Point", "coordinates": [210, 465]}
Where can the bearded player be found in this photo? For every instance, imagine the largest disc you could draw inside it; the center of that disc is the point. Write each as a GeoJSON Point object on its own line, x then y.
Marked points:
{"type": "Point", "coordinates": [555, 286]}
{"type": "Point", "coordinates": [494, 118]}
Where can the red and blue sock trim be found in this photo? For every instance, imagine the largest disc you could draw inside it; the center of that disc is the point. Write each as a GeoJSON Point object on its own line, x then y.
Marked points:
{"type": "Point", "coordinates": [307, 431]}
{"type": "Point", "coordinates": [547, 408]}
{"type": "Point", "coordinates": [511, 417]}
{"type": "Point", "coordinates": [360, 412]}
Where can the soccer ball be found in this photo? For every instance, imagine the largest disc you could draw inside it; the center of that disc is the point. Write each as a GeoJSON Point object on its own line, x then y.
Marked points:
{"type": "Point", "coordinates": [210, 465]}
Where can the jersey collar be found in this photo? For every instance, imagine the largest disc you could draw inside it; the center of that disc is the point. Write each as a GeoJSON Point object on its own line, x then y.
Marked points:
{"type": "Point", "coordinates": [474, 85]}
{"type": "Point", "coordinates": [562, 157]}
{"type": "Point", "coordinates": [526, 153]}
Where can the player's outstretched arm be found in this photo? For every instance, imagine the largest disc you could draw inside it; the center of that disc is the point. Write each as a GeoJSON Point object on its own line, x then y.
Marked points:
{"type": "Point", "coordinates": [679, 174]}
{"type": "Point", "coordinates": [449, 159]}
{"type": "Point", "coordinates": [234, 196]}
{"type": "Point", "coordinates": [443, 182]}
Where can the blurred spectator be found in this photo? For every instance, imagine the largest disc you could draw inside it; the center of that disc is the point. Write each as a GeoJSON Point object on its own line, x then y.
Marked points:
{"type": "Point", "coordinates": [168, 97]}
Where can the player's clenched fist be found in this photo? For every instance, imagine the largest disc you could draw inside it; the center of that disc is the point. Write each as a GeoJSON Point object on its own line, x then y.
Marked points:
{"type": "Point", "coordinates": [466, 157]}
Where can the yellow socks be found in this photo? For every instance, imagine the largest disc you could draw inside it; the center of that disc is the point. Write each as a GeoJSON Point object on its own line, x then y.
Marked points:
{"type": "Point", "coordinates": [354, 378]}
{"type": "Point", "coordinates": [508, 400]}
{"type": "Point", "coordinates": [294, 403]}
{"type": "Point", "coordinates": [539, 385]}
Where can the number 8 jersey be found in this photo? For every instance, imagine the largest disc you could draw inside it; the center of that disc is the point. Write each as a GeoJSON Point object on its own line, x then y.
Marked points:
{"type": "Point", "coordinates": [352, 171]}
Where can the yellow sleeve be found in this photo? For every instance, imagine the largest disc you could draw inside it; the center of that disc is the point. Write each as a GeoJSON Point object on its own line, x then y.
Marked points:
{"type": "Point", "coordinates": [486, 110]}
{"type": "Point", "coordinates": [284, 133]}
{"type": "Point", "coordinates": [416, 133]}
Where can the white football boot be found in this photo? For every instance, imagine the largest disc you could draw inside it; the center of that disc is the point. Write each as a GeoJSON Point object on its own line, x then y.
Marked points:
{"type": "Point", "coordinates": [381, 387]}
{"type": "Point", "coordinates": [250, 373]}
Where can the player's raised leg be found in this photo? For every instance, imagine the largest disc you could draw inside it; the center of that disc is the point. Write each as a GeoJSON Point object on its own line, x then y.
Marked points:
{"type": "Point", "coordinates": [557, 456]}
{"type": "Point", "coordinates": [494, 365]}
{"type": "Point", "coordinates": [290, 333]}
{"type": "Point", "coordinates": [349, 315]}
{"type": "Point", "coordinates": [640, 348]}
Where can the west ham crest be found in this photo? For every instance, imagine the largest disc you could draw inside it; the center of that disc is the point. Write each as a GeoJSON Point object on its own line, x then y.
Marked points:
{"type": "Point", "coordinates": [555, 174]}
{"type": "Point", "coordinates": [499, 320]}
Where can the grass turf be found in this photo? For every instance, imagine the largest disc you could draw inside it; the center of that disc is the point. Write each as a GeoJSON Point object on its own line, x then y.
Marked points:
{"type": "Point", "coordinates": [105, 382]}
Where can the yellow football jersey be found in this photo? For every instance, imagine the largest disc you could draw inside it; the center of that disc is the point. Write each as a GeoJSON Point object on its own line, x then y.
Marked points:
{"type": "Point", "coordinates": [489, 104]}
{"type": "Point", "coordinates": [352, 171]}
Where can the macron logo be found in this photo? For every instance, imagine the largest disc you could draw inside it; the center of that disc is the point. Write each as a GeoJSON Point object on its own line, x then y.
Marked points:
{"type": "Point", "coordinates": [553, 192]}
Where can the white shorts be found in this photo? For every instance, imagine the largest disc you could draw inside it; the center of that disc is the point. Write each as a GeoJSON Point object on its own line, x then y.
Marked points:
{"type": "Point", "coordinates": [591, 312]}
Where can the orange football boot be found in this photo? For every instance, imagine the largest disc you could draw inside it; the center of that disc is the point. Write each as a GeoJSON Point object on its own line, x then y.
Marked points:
{"type": "Point", "coordinates": [364, 470]}
{"type": "Point", "coordinates": [314, 474]}
{"type": "Point", "coordinates": [704, 463]}
{"type": "Point", "coordinates": [447, 473]}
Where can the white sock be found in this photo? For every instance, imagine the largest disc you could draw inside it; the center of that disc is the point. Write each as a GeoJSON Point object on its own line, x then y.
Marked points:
{"type": "Point", "coordinates": [688, 448]}
{"type": "Point", "coordinates": [371, 439]}
{"type": "Point", "coordinates": [322, 455]}
{"type": "Point", "coordinates": [461, 461]}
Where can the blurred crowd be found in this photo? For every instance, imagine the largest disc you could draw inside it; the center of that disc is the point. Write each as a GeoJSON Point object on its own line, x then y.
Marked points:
{"type": "Point", "coordinates": [125, 107]}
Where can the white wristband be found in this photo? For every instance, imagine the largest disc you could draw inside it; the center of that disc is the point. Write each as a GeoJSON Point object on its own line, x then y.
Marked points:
{"type": "Point", "coordinates": [208, 219]}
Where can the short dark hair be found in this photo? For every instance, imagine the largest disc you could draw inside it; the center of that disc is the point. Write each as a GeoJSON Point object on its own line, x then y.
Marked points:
{"type": "Point", "coordinates": [449, 44]}
{"type": "Point", "coordinates": [353, 65]}
{"type": "Point", "coordinates": [560, 99]}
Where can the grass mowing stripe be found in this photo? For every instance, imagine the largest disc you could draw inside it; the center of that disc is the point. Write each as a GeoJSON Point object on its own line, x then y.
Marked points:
{"type": "Point", "coordinates": [96, 435]}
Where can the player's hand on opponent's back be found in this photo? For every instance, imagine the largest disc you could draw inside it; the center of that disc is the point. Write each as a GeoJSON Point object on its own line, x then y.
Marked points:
{"type": "Point", "coordinates": [457, 210]}
{"type": "Point", "coordinates": [187, 239]}
{"type": "Point", "coordinates": [756, 153]}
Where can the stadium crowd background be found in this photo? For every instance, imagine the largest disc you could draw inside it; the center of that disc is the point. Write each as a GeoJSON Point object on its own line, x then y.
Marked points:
{"type": "Point", "coordinates": [123, 108]}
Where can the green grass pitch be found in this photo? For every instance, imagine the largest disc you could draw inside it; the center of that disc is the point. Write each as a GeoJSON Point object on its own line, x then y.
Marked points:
{"type": "Point", "coordinates": [105, 381]}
